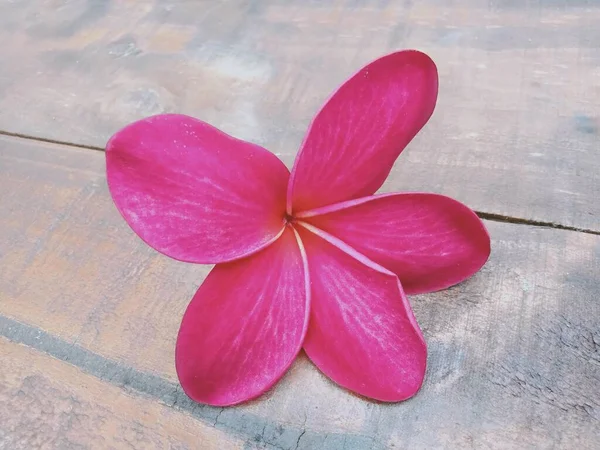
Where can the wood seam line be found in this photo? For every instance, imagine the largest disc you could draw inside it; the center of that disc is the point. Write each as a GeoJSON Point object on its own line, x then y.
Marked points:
{"type": "Point", "coordinates": [50, 141]}
{"type": "Point", "coordinates": [533, 223]}
{"type": "Point", "coordinates": [239, 423]}
{"type": "Point", "coordinates": [483, 215]}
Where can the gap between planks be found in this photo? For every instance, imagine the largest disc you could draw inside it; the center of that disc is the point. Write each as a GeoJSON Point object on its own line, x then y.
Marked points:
{"type": "Point", "coordinates": [533, 223]}
{"type": "Point", "coordinates": [482, 214]}
{"type": "Point", "coordinates": [50, 141]}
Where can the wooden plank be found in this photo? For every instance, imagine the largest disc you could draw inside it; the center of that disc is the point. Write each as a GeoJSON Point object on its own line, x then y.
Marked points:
{"type": "Point", "coordinates": [516, 131]}
{"type": "Point", "coordinates": [48, 404]}
{"type": "Point", "coordinates": [514, 352]}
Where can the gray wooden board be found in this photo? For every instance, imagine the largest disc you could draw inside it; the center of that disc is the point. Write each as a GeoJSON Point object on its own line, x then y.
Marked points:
{"type": "Point", "coordinates": [515, 133]}
{"type": "Point", "coordinates": [514, 352]}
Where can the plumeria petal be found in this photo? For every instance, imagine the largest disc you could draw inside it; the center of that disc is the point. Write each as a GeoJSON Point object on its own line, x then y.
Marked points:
{"type": "Point", "coordinates": [430, 241]}
{"type": "Point", "coordinates": [355, 138]}
{"type": "Point", "coordinates": [362, 332]}
{"type": "Point", "coordinates": [245, 325]}
{"type": "Point", "coordinates": [193, 192]}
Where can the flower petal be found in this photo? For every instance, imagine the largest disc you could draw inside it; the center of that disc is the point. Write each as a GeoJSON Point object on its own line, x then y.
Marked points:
{"type": "Point", "coordinates": [193, 192]}
{"type": "Point", "coordinates": [362, 332]}
{"type": "Point", "coordinates": [430, 241]}
{"type": "Point", "coordinates": [245, 325]}
{"type": "Point", "coordinates": [355, 138]}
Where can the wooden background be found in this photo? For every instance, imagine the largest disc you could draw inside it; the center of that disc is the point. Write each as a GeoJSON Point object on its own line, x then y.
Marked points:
{"type": "Point", "coordinates": [89, 314]}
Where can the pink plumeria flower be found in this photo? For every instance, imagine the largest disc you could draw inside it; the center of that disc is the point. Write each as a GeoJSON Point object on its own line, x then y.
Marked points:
{"type": "Point", "coordinates": [309, 260]}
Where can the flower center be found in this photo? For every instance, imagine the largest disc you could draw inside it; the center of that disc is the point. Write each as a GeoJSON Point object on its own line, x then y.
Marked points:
{"type": "Point", "coordinates": [288, 219]}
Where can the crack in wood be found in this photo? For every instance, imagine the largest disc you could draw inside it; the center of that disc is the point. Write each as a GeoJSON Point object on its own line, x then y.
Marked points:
{"type": "Point", "coordinates": [494, 217]}
{"type": "Point", "coordinates": [534, 223]}
{"type": "Point", "coordinates": [49, 141]}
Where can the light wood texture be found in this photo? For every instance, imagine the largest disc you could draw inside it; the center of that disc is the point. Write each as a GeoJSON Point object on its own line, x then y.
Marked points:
{"type": "Point", "coordinates": [514, 352]}
{"type": "Point", "coordinates": [516, 131]}
{"type": "Point", "coordinates": [47, 404]}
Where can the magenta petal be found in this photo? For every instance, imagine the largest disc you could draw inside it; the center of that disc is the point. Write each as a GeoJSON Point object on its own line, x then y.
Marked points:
{"type": "Point", "coordinates": [245, 325]}
{"type": "Point", "coordinates": [430, 241]}
{"type": "Point", "coordinates": [362, 332]}
{"type": "Point", "coordinates": [193, 192]}
{"type": "Point", "coordinates": [355, 138]}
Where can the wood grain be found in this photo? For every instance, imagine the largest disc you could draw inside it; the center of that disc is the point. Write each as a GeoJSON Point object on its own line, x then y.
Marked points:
{"type": "Point", "coordinates": [514, 352]}
{"type": "Point", "coordinates": [516, 131]}
{"type": "Point", "coordinates": [48, 404]}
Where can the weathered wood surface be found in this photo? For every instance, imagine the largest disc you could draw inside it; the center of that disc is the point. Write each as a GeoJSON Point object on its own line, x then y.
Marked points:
{"type": "Point", "coordinates": [52, 405]}
{"type": "Point", "coordinates": [514, 352]}
{"type": "Point", "coordinates": [516, 131]}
